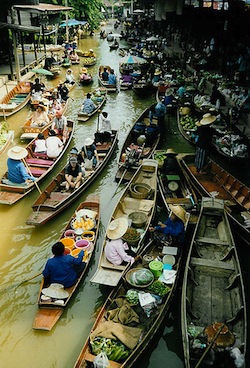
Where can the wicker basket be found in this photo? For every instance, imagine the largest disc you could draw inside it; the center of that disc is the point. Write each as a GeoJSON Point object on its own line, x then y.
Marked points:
{"type": "Point", "coordinates": [140, 190]}
{"type": "Point", "coordinates": [128, 279]}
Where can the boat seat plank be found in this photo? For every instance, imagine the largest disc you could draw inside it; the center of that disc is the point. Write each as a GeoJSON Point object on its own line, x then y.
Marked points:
{"type": "Point", "coordinates": [37, 172]}
{"type": "Point", "coordinates": [228, 265]}
{"type": "Point", "coordinates": [106, 264]}
{"type": "Point", "coordinates": [90, 358]}
{"type": "Point", "coordinates": [55, 199]}
{"type": "Point", "coordinates": [39, 162]}
{"type": "Point", "coordinates": [178, 201]}
{"type": "Point", "coordinates": [204, 240]}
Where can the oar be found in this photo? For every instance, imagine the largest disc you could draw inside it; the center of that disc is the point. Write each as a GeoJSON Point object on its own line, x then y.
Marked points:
{"type": "Point", "coordinates": [29, 279]}
{"type": "Point", "coordinates": [27, 167]}
{"type": "Point", "coordinates": [121, 178]}
{"type": "Point", "coordinates": [209, 346]}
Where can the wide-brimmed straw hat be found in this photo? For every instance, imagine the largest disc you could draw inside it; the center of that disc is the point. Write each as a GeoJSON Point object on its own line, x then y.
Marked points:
{"type": "Point", "coordinates": [56, 291]}
{"type": "Point", "coordinates": [157, 72]}
{"type": "Point", "coordinates": [169, 92]}
{"type": "Point", "coordinates": [88, 141]}
{"type": "Point", "coordinates": [178, 211]}
{"type": "Point", "coordinates": [117, 228]}
{"type": "Point", "coordinates": [84, 70]}
{"type": "Point", "coordinates": [171, 151]}
{"type": "Point", "coordinates": [207, 119]}
{"type": "Point", "coordinates": [17, 153]}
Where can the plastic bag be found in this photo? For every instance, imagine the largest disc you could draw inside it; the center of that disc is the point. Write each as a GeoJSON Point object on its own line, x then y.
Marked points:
{"type": "Point", "coordinates": [101, 361]}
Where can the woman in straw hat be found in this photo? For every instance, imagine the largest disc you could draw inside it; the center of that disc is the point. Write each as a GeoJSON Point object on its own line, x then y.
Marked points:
{"type": "Point", "coordinates": [63, 269]}
{"type": "Point", "coordinates": [89, 151]}
{"type": "Point", "coordinates": [17, 173]}
{"type": "Point", "coordinates": [40, 117]}
{"type": "Point", "coordinates": [170, 164]}
{"type": "Point", "coordinates": [205, 136]}
{"type": "Point", "coordinates": [174, 226]}
{"type": "Point", "coordinates": [116, 251]}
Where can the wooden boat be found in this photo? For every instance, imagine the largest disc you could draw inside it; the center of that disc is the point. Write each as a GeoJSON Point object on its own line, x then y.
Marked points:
{"type": "Point", "coordinates": [229, 142]}
{"type": "Point", "coordinates": [149, 324]}
{"type": "Point", "coordinates": [114, 46]}
{"type": "Point", "coordinates": [99, 102]}
{"type": "Point", "coordinates": [30, 132]}
{"type": "Point", "coordinates": [175, 188]}
{"type": "Point", "coordinates": [132, 153]}
{"type": "Point", "coordinates": [86, 54]}
{"type": "Point", "coordinates": [110, 87]}
{"type": "Point", "coordinates": [213, 300]}
{"type": "Point", "coordinates": [51, 201]}
{"type": "Point", "coordinates": [38, 165]}
{"type": "Point", "coordinates": [89, 61]}
{"type": "Point", "coordinates": [16, 99]}
{"type": "Point", "coordinates": [220, 183]}
{"type": "Point", "coordinates": [86, 82]}
{"type": "Point", "coordinates": [143, 88]}
{"type": "Point", "coordinates": [146, 179]}
{"type": "Point", "coordinates": [50, 310]}
{"type": "Point", "coordinates": [6, 136]}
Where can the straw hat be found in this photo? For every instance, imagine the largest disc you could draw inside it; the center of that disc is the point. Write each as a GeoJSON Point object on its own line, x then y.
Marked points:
{"type": "Point", "coordinates": [84, 70]}
{"type": "Point", "coordinates": [17, 153]}
{"type": "Point", "coordinates": [56, 291]}
{"type": "Point", "coordinates": [40, 105]}
{"type": "Point", "coordinates": [171, 151]}
{"type": "Point", "coordinates": [117, 228]}
{"type": "Point", "coordinates": [207, 119]}
{"type": "Point", "coordinates": [225, 337]}
{"type": "Point", "coordinates": [90, 50]}
{"type": "Point", "coordinates": [198, 124]}
{"type": "Point", "coordinates": [88, 141]}
{"type": "Point", "coordinates": [169, 92]}
{"type": "Point", "coordinates": [157, 72]}
{"type": "Point", "coordinates": [178, 211]}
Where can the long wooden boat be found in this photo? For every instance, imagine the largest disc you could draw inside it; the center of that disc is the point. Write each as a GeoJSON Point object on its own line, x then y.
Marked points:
{"type": "Point", "coordinates": [175, 188]}
{"type": "Point", "coordinates": [110, 87]}
{"type": "Point", "coordinates": [99, 101]}
{"type": "Point", "coordinates": [89, 61]}
{"type": "Point", "coordinates": [145, 178]}
{"type": "Point", "coordinates": [143, 89]}
{"type": "Point", "coordinates": [6, 136]}
{"type": "Point", "coordinates": [38, 165]}
{"type": "Point", "coordinates": [50, 310]}
{"type": "Point", "coordinates": [220, 183]}
{"type": "Point", "coordinates": [213, 312]}
{"type": "Point", "coordinates": [31, 132]}
{"type": "Point", "coordinates": [52, 201]}
{"type": "Point", "coordinates": [230, 143]}
{"type": "Point", "coordinates": [16, 99]}
{"type": "Point", "coordinates": [132, 153]}
{"type": "Point", "coordinates": [150, 324]}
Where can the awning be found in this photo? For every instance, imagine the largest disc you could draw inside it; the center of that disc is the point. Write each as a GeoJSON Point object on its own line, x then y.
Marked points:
{"type": "Point", "coordinates": [73, 22]}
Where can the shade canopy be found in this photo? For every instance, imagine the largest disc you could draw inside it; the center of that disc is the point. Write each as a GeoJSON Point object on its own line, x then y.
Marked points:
{"type": "Point", "coordinates": [132, 59]}
{"type": "Point", "coordinates": [42, 71]}
{"type": "Point", "coordinates": [138, 11]}
{"type": "Point", "coordinates": [152, 38]}
{"type": "Point", "coordinates": [73, 22]}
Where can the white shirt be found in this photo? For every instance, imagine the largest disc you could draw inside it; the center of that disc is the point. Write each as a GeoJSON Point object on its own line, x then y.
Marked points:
{"type": "Point", "coordinates": [40, 145]}
{"type": "Point", "coordinates": [105, 125]}
{"type": "Point", "coordinates": [54, 146]}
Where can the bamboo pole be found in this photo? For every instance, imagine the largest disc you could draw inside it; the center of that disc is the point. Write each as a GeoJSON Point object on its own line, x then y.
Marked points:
{"type": "Point", "coordinates": [27, 167]}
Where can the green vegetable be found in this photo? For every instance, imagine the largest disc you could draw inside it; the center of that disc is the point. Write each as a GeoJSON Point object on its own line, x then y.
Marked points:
{"type": "Point", "coordinates": [132, 296]}
{"type": "Point", "coordinates": [114, 349]}
{"type": "Point", "coordinates": [159, 288]}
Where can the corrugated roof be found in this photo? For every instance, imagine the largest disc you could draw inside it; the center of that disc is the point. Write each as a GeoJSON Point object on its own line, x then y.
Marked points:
{"type": "Point", "coordinates": [43, 7]}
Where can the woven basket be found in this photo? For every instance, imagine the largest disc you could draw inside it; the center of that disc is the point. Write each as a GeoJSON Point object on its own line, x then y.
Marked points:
{"type": "Point", "coordinates": [128, 276]}
{"type": "Point", "coordinates": [140, 190]}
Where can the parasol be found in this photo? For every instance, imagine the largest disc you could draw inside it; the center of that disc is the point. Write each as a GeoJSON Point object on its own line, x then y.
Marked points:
{"type": "Point", "coordinates": [132, 59]}
{"type": "Point", "coordinates": [138, 11]}
{"type": "Point", "coordinates": [73, 22]}
{"type": "Point", "coordinates": [152, 38]}
{"type": "Point", "coordinates": [42, 71]}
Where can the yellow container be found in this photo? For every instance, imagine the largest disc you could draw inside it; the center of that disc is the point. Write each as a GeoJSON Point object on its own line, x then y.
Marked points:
{"type": "Point", "coordinates": [88, 235]}
{"type": "Point", "coordinates": [75, 252]}
{"type": "Point", "coordinates": [68, 242]}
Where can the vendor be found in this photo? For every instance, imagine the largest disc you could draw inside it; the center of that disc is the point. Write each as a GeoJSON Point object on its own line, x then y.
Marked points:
{"type": "Point", "coordinates": [17, 173]}
{"type": "Point", "coordinates": [117, 251]}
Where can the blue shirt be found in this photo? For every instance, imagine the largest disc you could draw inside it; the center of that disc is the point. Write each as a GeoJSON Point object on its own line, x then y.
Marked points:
{"type": "Point", "coordinates": [112, 79]}
{"type": "Point", "coordinates": [60, 269]}
{"type": "Point", "coordinates": [181, 92]}
{"type": "Point", "coordinates": [88, 106]}
{"type": "Point", "coordinates": [173, 228]}
{"type": "Point", "coordinates": [17, 172]}
{"type": "Point", "coordinates": [160, 110]}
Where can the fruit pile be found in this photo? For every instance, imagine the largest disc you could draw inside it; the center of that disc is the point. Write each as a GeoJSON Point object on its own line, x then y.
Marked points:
{"type": "Point", "coordinates": [83, 224]}
{"type": "Point", "coordinates": [188, 122]}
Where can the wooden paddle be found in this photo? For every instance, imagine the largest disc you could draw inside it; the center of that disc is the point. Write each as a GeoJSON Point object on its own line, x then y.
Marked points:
{"type": "Point", "coordinates": [27, 167]}
{"type": "Point", "coordinates": [210, 346]}
{"type": "Point", "coordinates": [29, 279]}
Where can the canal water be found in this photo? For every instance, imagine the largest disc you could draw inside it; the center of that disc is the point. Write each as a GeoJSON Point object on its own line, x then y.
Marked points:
{"type": "Point", "coordinates": [25, 249]}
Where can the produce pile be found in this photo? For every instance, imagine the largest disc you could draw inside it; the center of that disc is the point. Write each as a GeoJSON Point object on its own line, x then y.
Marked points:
{"type": "Point", "coordinates": [188, 122]}
{"type": "Point", "coordinates": [159, 288]}
{"type": "Point", "coordinates": [83, 224]}
{"type": "Point", "coordinates": [142, 276]}
{"type": "Point", "coordinates": [114, 349]}
{"type": "Point", "coordinates": [131, 235]}
{"type": "Point", "coordinates": [132, 296]}
{"type": "Point", "coordinates": [88, 60]}
{"type": "Point", "coordinates": [160, 157]}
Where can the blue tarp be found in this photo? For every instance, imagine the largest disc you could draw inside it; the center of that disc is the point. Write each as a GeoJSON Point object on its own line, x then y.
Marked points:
{"type": "Point", "coordinates": [73, 22]}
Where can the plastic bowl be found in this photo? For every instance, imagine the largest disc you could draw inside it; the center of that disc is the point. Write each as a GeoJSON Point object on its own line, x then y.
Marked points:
{"type": "Point", "coordinates": [67, 251]}
{"type": "Point", "coordinates": [69, 233]}
{"type": "Point", "coordinates": [68, 242]}
{"type": "Point", "coordinates": [75, 252]}
{"type": "Point", "coordinates": [82, 244]}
